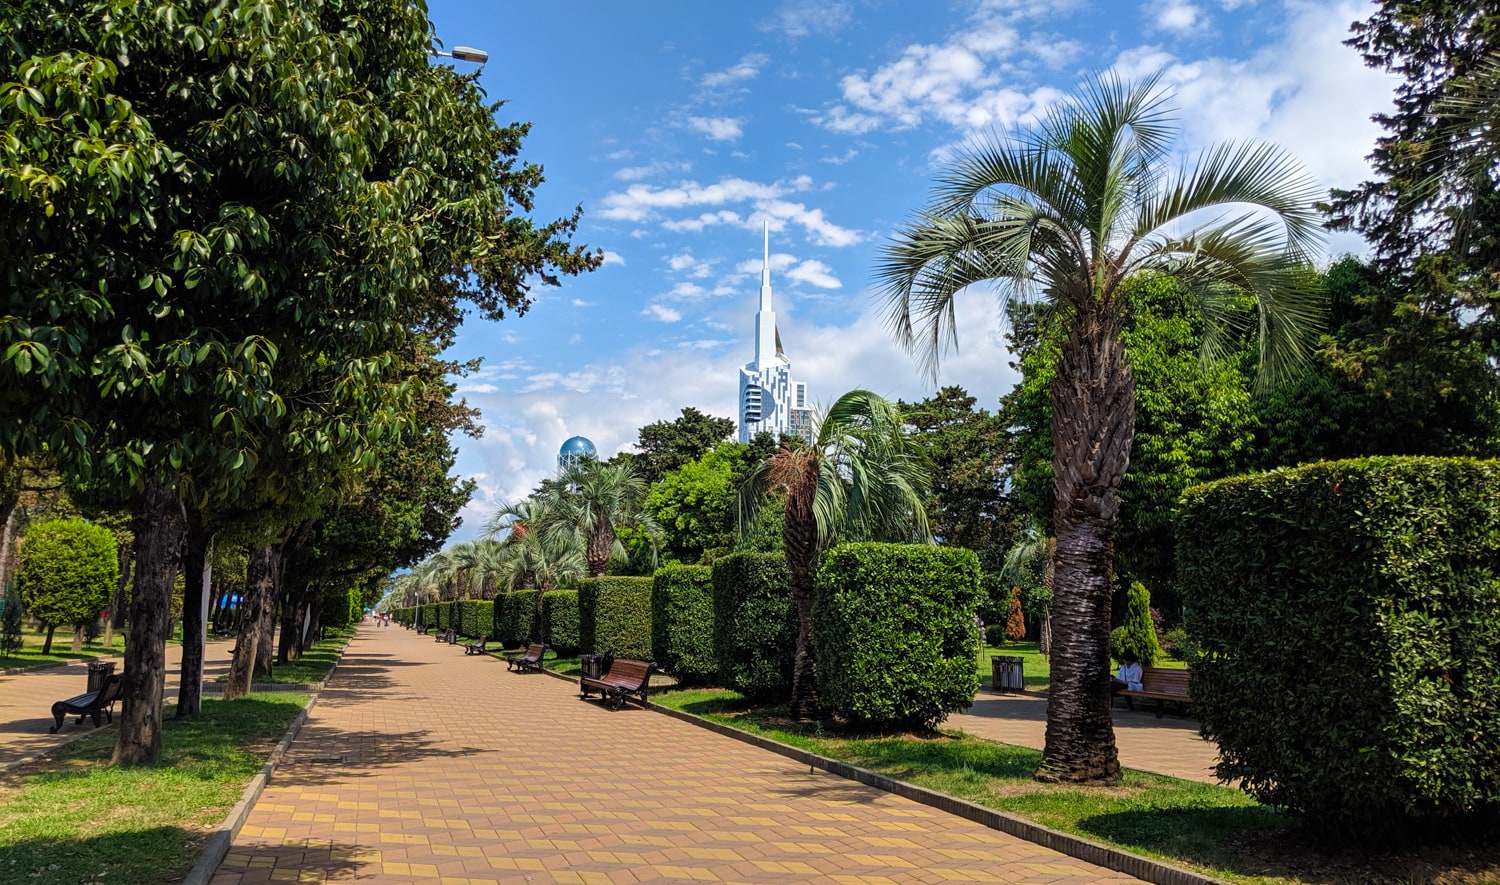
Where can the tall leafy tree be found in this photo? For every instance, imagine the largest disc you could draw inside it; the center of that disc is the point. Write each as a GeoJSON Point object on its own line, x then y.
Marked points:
{"type": "Point", "coordinates": [966, 446]}
{"type": "Point", "coordinates": [862, 479]}
{"type": "Point", "coordinates": [1069, 210]}
{"type": "Point", "coordinates": [211, 255]}
{"type": "Point", "coordinates": [667, 445]}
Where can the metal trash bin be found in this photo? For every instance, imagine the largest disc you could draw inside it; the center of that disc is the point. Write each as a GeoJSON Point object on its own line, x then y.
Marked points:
{"type": "Point", "coordinates": [98, 672]}
{"type": "Point", "coordinates": [593, 666]}
{"type": "Point", "coordinates": [1007, 673]}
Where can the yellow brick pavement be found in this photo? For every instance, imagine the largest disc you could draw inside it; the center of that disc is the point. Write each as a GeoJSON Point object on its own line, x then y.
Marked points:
{"type": "Point", "coordinates": [422, 764]}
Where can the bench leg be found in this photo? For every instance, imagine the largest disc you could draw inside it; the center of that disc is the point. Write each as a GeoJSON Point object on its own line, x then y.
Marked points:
{"type": "Point", "coordinates": [1160, 706]}
{"type": "Point", "coordinates": [617, 699]}
{"type": "Point", "coordinates": [58, 716]}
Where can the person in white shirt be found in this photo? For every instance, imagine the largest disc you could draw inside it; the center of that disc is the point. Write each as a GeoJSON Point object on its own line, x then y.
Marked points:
{"type": "Point", "coordinates": [1129, 675]}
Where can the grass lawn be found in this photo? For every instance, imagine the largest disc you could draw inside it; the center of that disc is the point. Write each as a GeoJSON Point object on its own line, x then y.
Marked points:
{"type": "Point", "coordinates": [1213, 829]}
{"type": "Point", "coordinates": [1036, 667]}
{"type": "Point", "coordinates": [71, 818]}
{"type": "Point", "coordinates": [30, 654]}
{"type": "Point", "coordinates": [316, 660]}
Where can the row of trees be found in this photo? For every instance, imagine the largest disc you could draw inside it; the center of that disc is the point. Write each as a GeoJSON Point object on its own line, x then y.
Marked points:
{"type": "Point", "coordinates": [234, 245]}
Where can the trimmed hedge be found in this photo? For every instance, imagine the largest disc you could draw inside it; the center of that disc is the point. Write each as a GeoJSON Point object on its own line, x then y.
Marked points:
{"type": "Point", "coordinates": [755, 624]}
{"type": "Point", "coordinates": [895, 630]}
{"type": "Point", "coordinates": [560, 621]}
{"type": "Point", "coordinates": [614, 616]}
{"type": "Point", "coordinates": [515, 617]}
{"type": "Point", "coordinates": [682, 622]}
{"type": "Point", "coordinates": [1349, 618]}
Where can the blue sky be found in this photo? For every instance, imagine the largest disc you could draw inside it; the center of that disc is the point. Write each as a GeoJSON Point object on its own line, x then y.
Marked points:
{"type": "Point", "coordinates": [680, 127]}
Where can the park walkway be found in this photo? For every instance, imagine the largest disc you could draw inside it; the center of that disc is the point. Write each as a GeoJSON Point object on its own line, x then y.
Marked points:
{"type": "Point", "coordinates": [26, 698]}
{"type": "Point", "coordinates": [421, 764]}
{"type": "Point", "coordinates": [1169, 745]}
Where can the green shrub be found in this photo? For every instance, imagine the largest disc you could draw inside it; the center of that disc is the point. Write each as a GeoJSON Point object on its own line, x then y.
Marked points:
{"type": "Point", "coordinates": [476, 618]}
{"type": "Point", "coordinates": [66, 572]}
{"type": "Point", "coordinates": [1178, 645]}
{"type": "Point", "coordinates": [11, 640]}
{"type": "Point", "coordinates": [614, 616]}
{"type": "Point", "coordinates": [893, 625]}
{"type": "Point", "coordinates": [682, 622]}
{"type": "Point", "coordinates": [560, 621]}
{"type": "Point", "coordinates": [994, 634]}
{"type": "Point", "coordinates": [755, 624]}
{"type": "Point", "coordinates": [1137, 634]}
{"type": "Point", "coordinates": [1349, 617]}
{"type": "Point", "coordinates": [515, 617]}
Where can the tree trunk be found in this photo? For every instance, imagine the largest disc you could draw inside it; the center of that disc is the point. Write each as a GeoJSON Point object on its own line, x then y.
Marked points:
{"type": "Point", "coordinates": [799, 536]}
{"type": "Point", "coordinates": [7, 514]}
{"type": "Point", "coordinates": [160, 527]}
{"type": "Point", "coordinates": [601, 544]}
{"type": "Point", "coordinates": [1093, 425]}
{"type": "Point", "coordinates": [77, 638]}
{"type": "Point", "coordinates": [194, 575]}
{"type": "Point", "coordinates": [260, 581]}
{"type": "Point", "coordinates": [47, 643]}
{"type": "Point", "coordinates": [289, 648]}
{"type": "Point", "coordinates": [126, 555]}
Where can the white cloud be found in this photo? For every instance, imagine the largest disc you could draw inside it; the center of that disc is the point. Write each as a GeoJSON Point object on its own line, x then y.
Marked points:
{"type": "Point", "coordinates": [612, 258]}
{"type": "Point", "coordinates": [748, 68]}
{"type": "Point", "coordinates": [650, 170]}
{"type": "Point", "coordinates": [691, 266]}
{"type": "Point", "coordinates": [717, 128]}
{"type": "Point", "coordinates": [642, 202]}
{"type": "Point", "coordinates": [815, 273]}
{"type": "Point", "coordinates": [579, 302]}
{"type": "Point", "coordinates": [662, 313]}
{"type": "Point", "coordinates": [1178, 16]}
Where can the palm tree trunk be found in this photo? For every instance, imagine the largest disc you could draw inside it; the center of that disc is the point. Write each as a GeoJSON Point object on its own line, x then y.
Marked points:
{"type": "Point", "coordinates": [160, 528]}
{"type": "Point", "coordinates": [799, 535]}
{"type": "Point", "coordinates": [1093, 425]}
{"type": "Point", "coordinates": [601, 545]}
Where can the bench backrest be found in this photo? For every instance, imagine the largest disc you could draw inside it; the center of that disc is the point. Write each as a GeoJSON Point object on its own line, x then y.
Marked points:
{"type": "Point", "coordinates": [535, 650]}
{"type": "Point", "coordinates": [1164, 681]}
{"type": "Point", "coordinates": [628, 671]}
{"type": "Point", "coordinates": [110, 690]}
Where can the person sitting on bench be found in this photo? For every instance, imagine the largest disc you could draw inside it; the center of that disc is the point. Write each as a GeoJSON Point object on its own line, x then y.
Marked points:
{"type": "Point", "coordinates": [1129, 676]}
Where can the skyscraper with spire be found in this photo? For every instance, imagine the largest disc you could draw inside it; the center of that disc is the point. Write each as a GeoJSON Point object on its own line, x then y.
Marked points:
{"type": "Point", "coordinates": [769, 399]}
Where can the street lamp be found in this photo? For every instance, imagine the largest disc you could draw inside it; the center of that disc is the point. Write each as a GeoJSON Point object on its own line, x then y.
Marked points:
{"type": "Point", "coordinates": [463, 53]}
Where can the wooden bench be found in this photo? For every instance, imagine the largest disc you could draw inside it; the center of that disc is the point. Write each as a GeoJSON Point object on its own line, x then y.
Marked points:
{"type": "Point", "coordinates": [92, 704]}
{"type": "Point", "coordinates": [449, 636]}
{"type": "Point", "coordinates": [623, 679]}
{"type": "Point", "coordinates": [1161, 685]}
{"type": "Point", "coordinates": [476, 648]}
{"type": "Point", "coordinates": [530, 660]}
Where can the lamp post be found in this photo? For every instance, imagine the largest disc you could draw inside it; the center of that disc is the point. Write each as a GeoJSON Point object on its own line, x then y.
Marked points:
{"type": "Point", "coordinates": [463, 53]}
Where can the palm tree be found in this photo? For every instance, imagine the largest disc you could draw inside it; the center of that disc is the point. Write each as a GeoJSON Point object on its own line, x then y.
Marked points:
{"type": "Point", "coordinates": [532, 556]}
{"type": "Point", "coordinates": [590, 500]}
{"type": "Point", "coordinates": [1070, 209]}
{"type": "Point", "coordinates": [862, 479]}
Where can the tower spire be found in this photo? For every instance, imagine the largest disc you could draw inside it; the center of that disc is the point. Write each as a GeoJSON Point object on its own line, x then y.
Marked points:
{"type": "Point", "coordinates": [766, 350]}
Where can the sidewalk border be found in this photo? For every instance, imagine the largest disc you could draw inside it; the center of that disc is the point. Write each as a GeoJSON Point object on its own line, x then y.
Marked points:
{"type": "Point", "coordinates": [222, 839]}
{"type": "Point", "coordinates": [1111, 858]}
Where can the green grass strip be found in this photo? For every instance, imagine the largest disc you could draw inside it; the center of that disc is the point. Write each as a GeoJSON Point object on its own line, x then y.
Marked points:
{"type": "Point", "coordinates": [71, 817]}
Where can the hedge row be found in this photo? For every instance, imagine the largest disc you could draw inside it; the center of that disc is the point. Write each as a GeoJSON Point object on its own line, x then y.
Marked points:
{"type": "Point", "coordinates": [1349, 615]}
{"type": "Point", "coordinates": [682, 622]}
{"type": "Point", "coordinates": [895, 630]}
{"type": "Point", "coordinates": [560, 621]}
{"type": "Point", "coordinates": [615, 616]}
{"type": "Point", "coordinates": [755, 624]}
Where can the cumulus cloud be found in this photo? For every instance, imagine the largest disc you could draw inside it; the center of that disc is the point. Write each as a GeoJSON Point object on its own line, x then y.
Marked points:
{"type": "Point", "coordinates": [612, 258]}
{"type": "Point", "coordinates": [717, 128]}
{"type": "Point", "coordinates": [1178, 16]}
{"type": "Point", "coordinates": [662, 313]}
{"type": "Point", "coordinates": [815, 273]}
{"type": "Point", "coordinates": [686, 263]}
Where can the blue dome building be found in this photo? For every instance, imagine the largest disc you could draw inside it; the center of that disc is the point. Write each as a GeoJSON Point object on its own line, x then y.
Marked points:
{"type": "Point", "coordinates": [574, 451]}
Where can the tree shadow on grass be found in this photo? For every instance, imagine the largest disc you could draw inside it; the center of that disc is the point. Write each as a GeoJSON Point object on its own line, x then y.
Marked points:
{"type": "Point", "coordinates": [1255, 841]}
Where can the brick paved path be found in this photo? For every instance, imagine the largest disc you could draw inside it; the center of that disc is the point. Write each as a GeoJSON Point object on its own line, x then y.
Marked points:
{"type": "Point", "coordinates": [26, 699]}
{"type": "Point", "coordinates": [422, 764]}
{"type": "Point", "coordinates": [1169, 745]}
